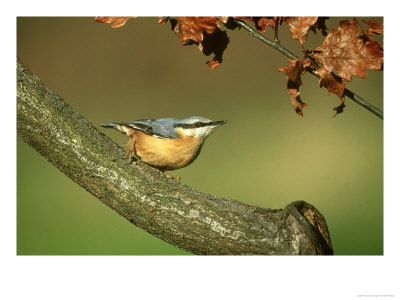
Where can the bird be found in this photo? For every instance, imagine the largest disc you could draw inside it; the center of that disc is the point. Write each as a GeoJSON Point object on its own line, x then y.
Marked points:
{"type": "Point", "coordinates": [167, 144]}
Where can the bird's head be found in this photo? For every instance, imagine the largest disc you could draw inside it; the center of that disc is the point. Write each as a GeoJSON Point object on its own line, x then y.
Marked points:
{"type": "Point", "coordinates": [196, 126]}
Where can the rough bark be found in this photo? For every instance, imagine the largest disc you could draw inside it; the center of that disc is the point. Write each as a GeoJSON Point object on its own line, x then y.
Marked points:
{"type": "Point", "coordinates": [176, 213]}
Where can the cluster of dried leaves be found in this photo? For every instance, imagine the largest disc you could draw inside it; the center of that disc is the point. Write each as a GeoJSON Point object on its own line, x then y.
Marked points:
{"type": "Point", "coordinates": [348, 51]}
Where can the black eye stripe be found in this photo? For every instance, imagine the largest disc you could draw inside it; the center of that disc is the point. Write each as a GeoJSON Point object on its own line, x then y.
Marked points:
{"type": "Point", "coordinates": [193, 125]}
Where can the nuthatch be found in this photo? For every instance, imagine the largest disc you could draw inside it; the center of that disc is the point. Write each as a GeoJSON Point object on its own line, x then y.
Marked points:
{"type": "Point", "coordinates": [167, 144]}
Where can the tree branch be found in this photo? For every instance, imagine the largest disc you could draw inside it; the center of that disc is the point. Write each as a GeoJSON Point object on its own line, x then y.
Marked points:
{"type": "Point", "coordinates": [181, 216]}
{"type": "Point", "coordinates": [357, 99]}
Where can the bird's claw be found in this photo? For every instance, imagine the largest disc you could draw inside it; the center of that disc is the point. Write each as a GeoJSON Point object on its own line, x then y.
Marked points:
{"type": "Point", "coordinates": [176, 178]}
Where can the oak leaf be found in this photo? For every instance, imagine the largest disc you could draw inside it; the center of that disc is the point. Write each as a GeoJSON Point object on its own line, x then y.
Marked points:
{"type": "Point", "coordinates": [273, 22]}
{"type": "Point", "coordinates": [215, 43]}
{"type": "Point", "coordinates": [375, 27]}
{"type": "Point", "coordinates": [115, 22]}
{"type": "Point", "coordinates": [349, 51]}
{"type": "Point", "coordinates": [320, 25]}
{"type": "Point", "coordinates": [262, 23]}
{"type": "Point", "coordinates": [224, 20]}
{"type": "Point", "coordinates": [300, 26]}
{"type": "Point", "coordinates": [293, 71]}
{"type": "Point", "coordinates": [162, 20]}
{"type": "Point", "coordinates": [213, 64]}
{"type": "Point", "coordinates": [192, 28]}
{"type": "Point", "coordinates": [204, 32]}
{"type": "Point", "coordinates": [334, 85]}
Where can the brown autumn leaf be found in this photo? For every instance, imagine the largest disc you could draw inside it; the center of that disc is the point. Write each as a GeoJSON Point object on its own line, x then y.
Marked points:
{"type": "Point", "coordinates": [263, 22]}
{"type": "Point", "coordinates": [224, 20]}
{"type": "Point", "coordinates": [192, 28]}
{"type": "Point", "coordinates": [215, 43]}
{"type": "Point", "coordinates": [349, 51]}
{"type": "Point", "coordinates": [320, 25]}
{"type": "Point", "coordinates": [300, 26]}
{"type": "Point", "coordinates": [115, 22]}
{"type": "Point", "coordinates": [205, 32]}
{"type": "Point", "coordinates": [339, 109]}
{"type": "Point", "coordinates": [213, 64]}
{"type": "Point", "coordinates": [273, 22]}
{"type": "Point", "coordinates": [334, 85]}
{"type": "Point", "coordinates": [375, 27]}
{"type": "Point", "coordinates": [298, 105]}
{"type": "Point", "coordinates": [293, 71]}
{"type": "Point", "coordinates": [162, 20]}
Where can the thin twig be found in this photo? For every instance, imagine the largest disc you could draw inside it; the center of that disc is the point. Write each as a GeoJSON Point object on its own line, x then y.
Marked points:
{"type": "Point", "coordinates": [364, 103]}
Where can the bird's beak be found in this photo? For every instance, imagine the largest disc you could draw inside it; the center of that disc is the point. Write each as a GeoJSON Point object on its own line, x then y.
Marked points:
{"type": "Point", "coordinates": [218, 123]}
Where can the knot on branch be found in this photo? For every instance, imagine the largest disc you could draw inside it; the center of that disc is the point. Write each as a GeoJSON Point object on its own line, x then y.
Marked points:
{"type": "Point", "coordinates": [305, 220]}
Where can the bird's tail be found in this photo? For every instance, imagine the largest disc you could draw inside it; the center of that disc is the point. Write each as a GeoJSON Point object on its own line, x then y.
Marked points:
{"type": "Point", "coordinates": [120, 127]}
{"type": "Point", "coordinates": [111, 125]}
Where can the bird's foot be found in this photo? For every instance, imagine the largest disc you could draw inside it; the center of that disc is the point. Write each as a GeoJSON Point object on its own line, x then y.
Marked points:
{"type": "Point", "coordinates": [132, 156]}
{"type": "Point", "coordinates": [177, 178]}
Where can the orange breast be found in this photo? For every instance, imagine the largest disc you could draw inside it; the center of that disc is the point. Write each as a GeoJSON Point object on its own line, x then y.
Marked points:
{"type": "Point", "coordinates": [166, 154]}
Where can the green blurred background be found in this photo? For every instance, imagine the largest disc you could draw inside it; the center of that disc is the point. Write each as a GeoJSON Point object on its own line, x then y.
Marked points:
{"type": "Point", "coordinates": [265, 155]}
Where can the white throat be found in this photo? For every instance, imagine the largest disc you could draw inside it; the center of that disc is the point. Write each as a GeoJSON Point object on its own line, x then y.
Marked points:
{"type": "Point", "coordinates": [202, 132]}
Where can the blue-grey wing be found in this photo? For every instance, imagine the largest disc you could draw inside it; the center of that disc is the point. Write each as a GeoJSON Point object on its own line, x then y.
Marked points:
{"type": "Point", "coordinates": [160, 128]}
